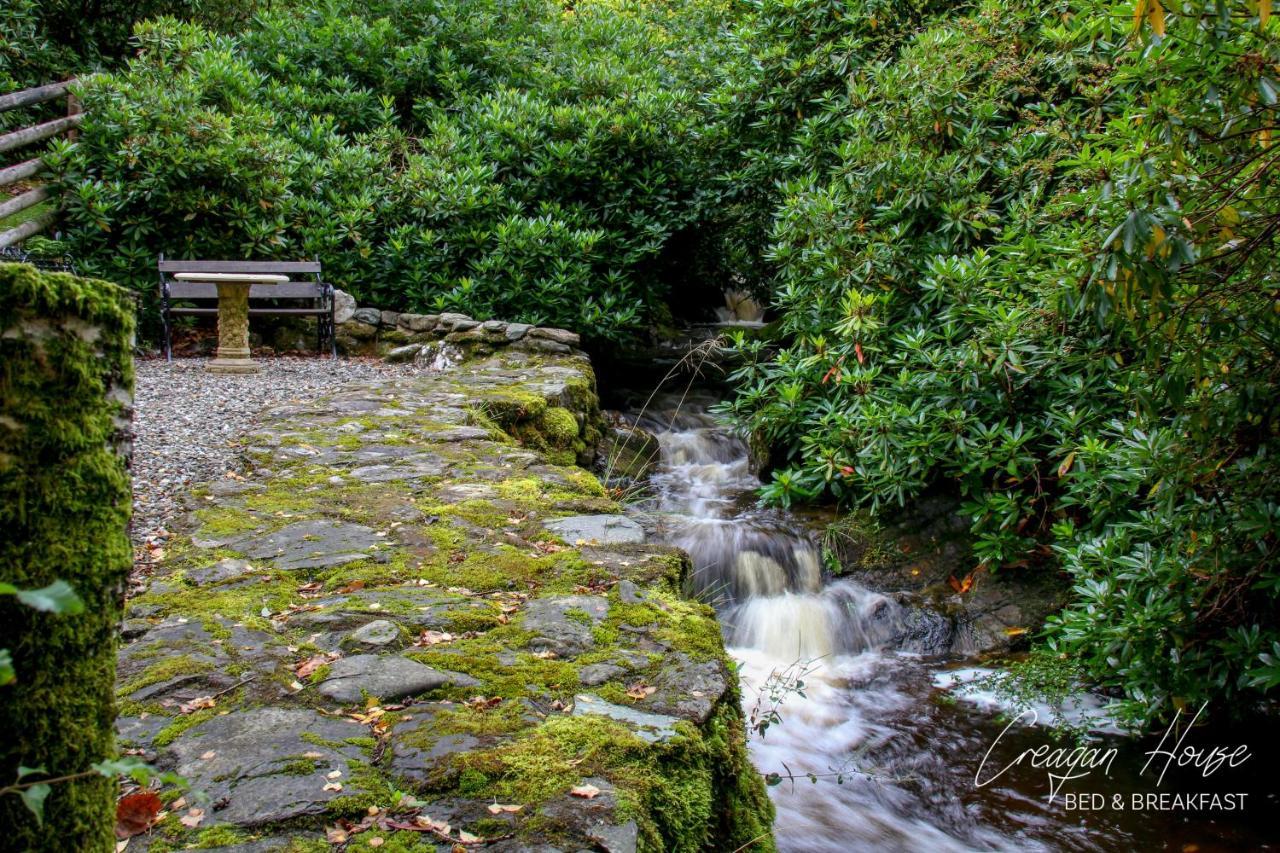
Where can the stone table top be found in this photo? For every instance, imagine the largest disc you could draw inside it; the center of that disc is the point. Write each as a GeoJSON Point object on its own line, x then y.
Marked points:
{"type": "Point", "coordinates": [251, 278]}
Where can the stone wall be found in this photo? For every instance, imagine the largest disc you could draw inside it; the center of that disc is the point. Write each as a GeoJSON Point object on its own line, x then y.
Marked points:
{"type": "Point", "coordinates": [66, 376]}
{"type": "Point", "coordinates": [435, 337]}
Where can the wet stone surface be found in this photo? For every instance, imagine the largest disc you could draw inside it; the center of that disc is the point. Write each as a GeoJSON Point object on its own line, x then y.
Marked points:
{"type": "Point", "coordinates": [597, 529]}
{"type": "Point", "coordinates": [353, 679]}
{"type": "Point", "coordinates": [408, 585]}
{"type": "Point", "coordinates": [309, 544]}
{"type": "Point", "coordinates": [253, 760]}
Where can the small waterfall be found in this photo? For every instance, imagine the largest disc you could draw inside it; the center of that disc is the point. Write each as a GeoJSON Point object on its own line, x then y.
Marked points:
{"type": "Point", "coordinates": [895, 766]}
{"type": "Point", "coordinates": [842, 619]}
{"type": "Point", "coordinates": [763, 573]}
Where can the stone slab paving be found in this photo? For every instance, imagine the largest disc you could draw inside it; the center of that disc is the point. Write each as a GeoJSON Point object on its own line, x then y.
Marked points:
{"type": "Point", "coordinates": [407, 620]}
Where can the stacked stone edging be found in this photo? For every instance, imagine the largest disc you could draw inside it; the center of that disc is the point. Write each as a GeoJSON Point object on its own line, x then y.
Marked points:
{"type": "Point", "coordinates": [406, 336]}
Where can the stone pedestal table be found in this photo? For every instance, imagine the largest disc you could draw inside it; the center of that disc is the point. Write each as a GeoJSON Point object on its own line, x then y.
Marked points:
{"type": "Point", "coordinates": [233, 317]}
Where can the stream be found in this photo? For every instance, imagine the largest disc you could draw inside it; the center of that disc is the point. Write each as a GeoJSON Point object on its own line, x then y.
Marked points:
{"type": "Point", "coordinates": [893, 746]}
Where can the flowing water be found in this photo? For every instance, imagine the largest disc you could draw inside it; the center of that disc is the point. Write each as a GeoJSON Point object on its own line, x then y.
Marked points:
{"type": "Point", "coordinates": [894, 755]}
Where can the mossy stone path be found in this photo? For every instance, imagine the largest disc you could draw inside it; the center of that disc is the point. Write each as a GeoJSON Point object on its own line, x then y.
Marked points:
{"type": "Point", "coordinates": [378, 626]}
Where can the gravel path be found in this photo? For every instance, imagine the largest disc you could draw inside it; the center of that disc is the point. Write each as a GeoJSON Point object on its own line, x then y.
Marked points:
{"type": "Point", "coordinates": [185, 420]}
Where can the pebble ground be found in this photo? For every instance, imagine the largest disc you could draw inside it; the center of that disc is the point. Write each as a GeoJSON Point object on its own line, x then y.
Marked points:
{"type": "Point", "coordinates": [186, 421]}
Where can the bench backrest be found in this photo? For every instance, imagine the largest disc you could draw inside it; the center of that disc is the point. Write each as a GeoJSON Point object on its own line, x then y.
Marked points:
{"type": "Point", "coordinates": [208, 290]}
{"type": "Point", "coordinates": [264, 267]}
{"type": "Point", "coordinates": [284, 290]}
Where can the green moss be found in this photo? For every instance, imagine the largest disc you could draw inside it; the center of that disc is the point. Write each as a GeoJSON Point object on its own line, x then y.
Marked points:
{"type": "Point", "coordinates": [527, 490]}
{"type": "Point", "coordinates": [505, 719]}
{"type": "Point", "coordinates": [472, 782]}
{"type": "Point", "coordinates": [463, 621]}
{"type": "Point", "coordinates": [219, 836]}
{"type": "Point", "coordinates": [316, 740]}
{"type": "Point", "coordinates": [508, 568]}
{"type": "Point", "coordinates": [392, 842]}
{"type": "Point", "coordinates": [180, 724]}
{"type": "Point", "coordinates": [525, 674]}
{"type": "Point", "coordinates": [577, 614]}
{"type": "Point", "coordinates": [583, 482]}
{"type": "Point", "coordinates": [242, 604]}
{"type": "Point", "coordinates": [300, 767]}
{"type": "Point", "coordinates": [692, 628]}
{"type": "Point", "coordinates": [163, 670]}
{"type": "Point", "coordinates": [551, 758]}
{"type": "Point", "coordinates": [560, 427]}
{"type": "Point", "coordinates": [508, 406]}
{"type": "Point", "coordinates": [374, 789]}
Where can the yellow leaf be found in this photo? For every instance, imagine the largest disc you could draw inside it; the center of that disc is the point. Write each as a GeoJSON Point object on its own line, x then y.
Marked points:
{"type": "Point", "coordinates": [1264, 12]}
{"type": "Point", "coordinates": [1155, 16]}
{"type": "Point", "coordinates": [1066, 464]}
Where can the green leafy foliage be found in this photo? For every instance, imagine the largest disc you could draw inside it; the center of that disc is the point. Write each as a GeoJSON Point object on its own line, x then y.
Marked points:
{"type": "Point", "coordinates": [1038, 273]}
{"type": "Point", "coordinates": [27, 56]}
{"type": "Point", "coordinates": [57, 597]}
{"type": "Point", "coordinates": [510, 158]}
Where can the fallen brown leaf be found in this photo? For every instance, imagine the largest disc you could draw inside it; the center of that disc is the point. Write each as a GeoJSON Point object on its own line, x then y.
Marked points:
{"type": "Point", "coordinates": [136, 812]}
{"type": "Point", "coordinates": [311, 664]}
{"type": "Point", "coordinates": [640, 690]}
{"type": "Point", "coordinates": [433, 638]}
{"type": "Point", "coordinates": [199, 703]}
{"type": "Point", "coordinates": [192, 818]}
{"type": "Point", "coordinates": [587, 792]}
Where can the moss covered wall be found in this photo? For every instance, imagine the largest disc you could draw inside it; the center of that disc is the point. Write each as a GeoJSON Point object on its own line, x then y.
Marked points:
{"type": "Point", "coordinates": [66, 378]}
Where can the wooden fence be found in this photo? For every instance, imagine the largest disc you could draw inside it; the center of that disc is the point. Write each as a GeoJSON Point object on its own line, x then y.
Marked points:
{"type": "Point", "coordinates": [23, 137]}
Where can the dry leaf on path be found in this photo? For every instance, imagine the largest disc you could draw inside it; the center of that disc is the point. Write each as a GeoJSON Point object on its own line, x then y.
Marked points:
{"type": "Point", "coordinates": [640, 690]}
{"type": "Point", "coordinates": [136, 812]}
{"type": "Point", "coordinates": [499, 808]}
{"type": "Point", "coordinates": [311, 664]}
{"type": "Point", "coordinates": [433, 638]}
{"type": "Point", "coordinates": [197, 704]}
{"type": "Point", "coordinates": [587, 792]}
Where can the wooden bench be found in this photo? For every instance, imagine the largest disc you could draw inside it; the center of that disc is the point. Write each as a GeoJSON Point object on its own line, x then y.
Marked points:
{"type": "Point", "coordinates": [312, 298]}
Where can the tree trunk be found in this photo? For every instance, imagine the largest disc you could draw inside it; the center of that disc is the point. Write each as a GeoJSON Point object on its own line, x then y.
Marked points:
{"type": "Point", "coordinates": [66, 379]}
